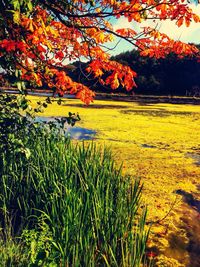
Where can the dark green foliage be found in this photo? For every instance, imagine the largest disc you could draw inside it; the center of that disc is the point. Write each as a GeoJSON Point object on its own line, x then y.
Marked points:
{"type": "Point", "coordinates": [13, 126]}
{"type": "Point", "coordinates": [17, 122]}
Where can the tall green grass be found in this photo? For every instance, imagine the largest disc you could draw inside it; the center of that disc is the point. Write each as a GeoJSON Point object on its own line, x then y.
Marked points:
{"type": "Point", "coordinates": [68, 205]}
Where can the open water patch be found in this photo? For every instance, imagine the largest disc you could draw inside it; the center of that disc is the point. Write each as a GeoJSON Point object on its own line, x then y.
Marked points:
{"type": "Point", "coordinates": [195, 157]}
{"type": "Point", "coordinates": [39, 93]}
{"type": "Point", "coordinates": [148, 146]}
{"type": "Point", "coordinates": [74, 132]}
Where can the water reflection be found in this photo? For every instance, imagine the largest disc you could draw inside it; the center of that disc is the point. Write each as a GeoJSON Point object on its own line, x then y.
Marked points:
{"type": "Point", "coordinates": [36, 93]}
{"type": "Point", "coordinates": [79, 133]}
{"type": "Point", "coordinates": [76, 133]}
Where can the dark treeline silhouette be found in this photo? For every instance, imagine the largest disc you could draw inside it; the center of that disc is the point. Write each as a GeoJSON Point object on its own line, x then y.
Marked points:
{"type": "Point", "coordinates": [166, 76]}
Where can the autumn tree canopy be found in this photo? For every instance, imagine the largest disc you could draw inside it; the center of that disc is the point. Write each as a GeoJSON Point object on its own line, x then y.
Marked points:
{"type": "Point", "coordinates": [38, 39]}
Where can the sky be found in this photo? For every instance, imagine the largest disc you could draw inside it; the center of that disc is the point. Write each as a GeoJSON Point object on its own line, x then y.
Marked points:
{"type": "Point", "coordinates": [189, 34]}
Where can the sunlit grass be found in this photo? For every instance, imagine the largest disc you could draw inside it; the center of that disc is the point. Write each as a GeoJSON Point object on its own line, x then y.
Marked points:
{"type": "Point", "coordinates": [152, 141]}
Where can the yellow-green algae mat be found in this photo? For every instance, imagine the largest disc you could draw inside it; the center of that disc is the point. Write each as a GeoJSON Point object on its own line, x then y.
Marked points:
{"type": "Point", "coordinates": [161, 144]}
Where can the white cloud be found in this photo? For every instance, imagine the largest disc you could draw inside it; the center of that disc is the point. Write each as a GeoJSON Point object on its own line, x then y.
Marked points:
{"type": "Point", "coordinates": [122, 23]}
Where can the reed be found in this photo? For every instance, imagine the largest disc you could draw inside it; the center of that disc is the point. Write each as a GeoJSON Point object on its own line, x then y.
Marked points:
{"type": "Point", "coordinates": [69, 205]}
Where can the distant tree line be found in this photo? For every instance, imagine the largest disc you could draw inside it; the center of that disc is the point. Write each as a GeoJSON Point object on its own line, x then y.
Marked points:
{"type": "Point", "coordinates": [165, 76]}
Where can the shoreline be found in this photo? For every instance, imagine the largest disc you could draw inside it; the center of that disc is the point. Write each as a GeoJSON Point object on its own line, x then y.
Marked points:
{"type": "Point", "coordinates": [149, 99]}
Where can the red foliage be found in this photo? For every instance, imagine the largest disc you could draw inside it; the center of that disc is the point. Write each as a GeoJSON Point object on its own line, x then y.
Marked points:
{"type": "Point", "coordinates": [52, 35]}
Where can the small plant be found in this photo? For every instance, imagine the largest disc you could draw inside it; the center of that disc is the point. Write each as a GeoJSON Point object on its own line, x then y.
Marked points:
{"type": "Point", "coordinates": [38, 242]}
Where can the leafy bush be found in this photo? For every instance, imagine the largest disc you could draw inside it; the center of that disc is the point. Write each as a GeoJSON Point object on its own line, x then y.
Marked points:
{"type": "Point", "coordinates": [13, 126]}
